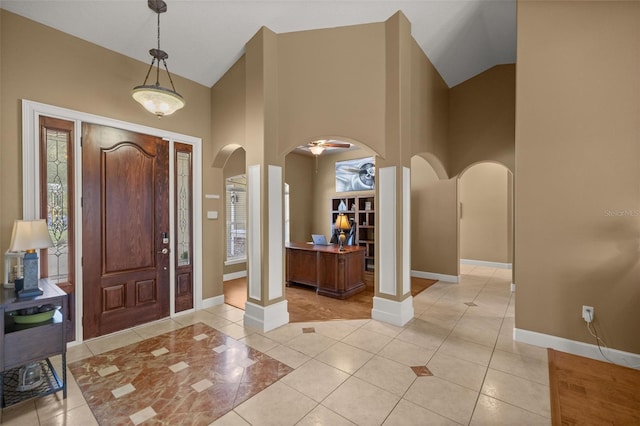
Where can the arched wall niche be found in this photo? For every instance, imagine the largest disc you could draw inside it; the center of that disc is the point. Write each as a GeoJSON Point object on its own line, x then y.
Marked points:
{"type": "Point", "coordinates": [486, 214]}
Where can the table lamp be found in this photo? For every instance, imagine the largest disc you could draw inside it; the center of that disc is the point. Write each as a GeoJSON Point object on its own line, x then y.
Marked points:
{"type": "Point", "coordinates": [342, 223]}
{"type": "Point", "coordinates": [29, 236]}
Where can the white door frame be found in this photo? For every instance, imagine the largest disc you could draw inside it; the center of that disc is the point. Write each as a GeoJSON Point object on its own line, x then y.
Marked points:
{"type": "Point", "coordinates": [31, 112]}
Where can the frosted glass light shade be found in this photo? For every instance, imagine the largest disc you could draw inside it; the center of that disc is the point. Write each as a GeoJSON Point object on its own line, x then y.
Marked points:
{"type": "Point", "coordinates": [158, 100]}
{"type": "Point", "coordinates": [316, 149]}
{"type": "Point", "coordinates": [30, 235]}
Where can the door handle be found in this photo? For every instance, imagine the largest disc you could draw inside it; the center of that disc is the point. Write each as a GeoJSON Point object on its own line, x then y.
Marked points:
{"type": "Point", "coordinates": [163, 251]}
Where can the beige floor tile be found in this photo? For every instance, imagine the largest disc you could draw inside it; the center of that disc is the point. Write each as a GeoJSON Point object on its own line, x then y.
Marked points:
{"type": "Point", "coordinates": [361, 402]}
{"type": "Point", "coordinates": [323, 416]}
{"type": "Point", "coordinates": [490, 411]}
{"type": "Point", "coordinates": [289, 356]}
{"type": "Point", "coordinates": [456, 370]}
{"type": "Point", "coordinates": [234, 330]}
{"type": "Point", "coordinates": [310, 344]}
{"type": "Point", "coordinates": [406, 353]}
{"type": "Point", "coordinates": [259, 342]}
{"type": "Point", "coordinates": [113, 341]}
{"type": "Point", "coordinates": [479, 317]}
{"type": "Point", "coordinates": [337, 330]}
{"type": "Point", "coordinates": [23, 414]}
{"type": "Point", "coordinates": [506, 343]}
{"type": "Point", "coordinates": [157, 328]}
{"type": "Point", "coordinates": [76, 416]}
{"type": "Point", "coordinates": [345, 357]}
{"type": "Point", "coordinates": [386, 374]}
{"type": "Point", "coordinates": [230, 419]}
{"type": "Point", "coordinates": [409, 414]}
{"type": "Point", "coordinates": [277, 405]}
{"type": "Point", "coordinates": [369, 341]}
{"type": "Point", "coordinates": [521, 366]}
{"type": "Point", "coordinates": [424, 334]}
{"type": "Point", "coordinates": [233, 315]}
{"type": "Point", "coordinates": [466, 350]}
{"type": "Point", "coordinates": [517, 391]}
{"type": "Point", "coordinates": [284, 334]}
{"type": "Point", "coordinates": [452, 401]}
{"type": "Point", "coordinates": [315, 379]}
{"type": "Point", "coordinates": [78, 352]}
{"type": "Point", "coordinates": [194, 317]}
{"type": "Point", "coordinates": [471, 333]}
{"type": "Point", "coordinates": [383, 328]}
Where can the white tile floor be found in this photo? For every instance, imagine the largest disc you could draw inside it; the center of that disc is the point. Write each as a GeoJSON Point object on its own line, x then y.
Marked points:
{"type": "Point", "coordinates": [357, 372]}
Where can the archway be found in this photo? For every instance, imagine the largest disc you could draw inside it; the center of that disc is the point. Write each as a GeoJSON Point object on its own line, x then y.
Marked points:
{"type": "Point", "coordinates": [486, 215]}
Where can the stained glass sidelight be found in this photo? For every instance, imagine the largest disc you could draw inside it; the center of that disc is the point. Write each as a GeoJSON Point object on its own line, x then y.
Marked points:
{"type": "Point", "coordinates": [183, 170]}
{"type": "Point", "coordinates": [57, 202]}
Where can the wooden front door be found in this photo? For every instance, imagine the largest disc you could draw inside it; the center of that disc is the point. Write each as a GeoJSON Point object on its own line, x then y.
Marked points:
{"type": "Point", "coordinates": [125, 229]}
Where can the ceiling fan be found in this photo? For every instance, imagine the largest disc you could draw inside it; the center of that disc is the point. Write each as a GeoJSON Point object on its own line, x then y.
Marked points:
{"type": "Point", "coordinates": [318, 147]}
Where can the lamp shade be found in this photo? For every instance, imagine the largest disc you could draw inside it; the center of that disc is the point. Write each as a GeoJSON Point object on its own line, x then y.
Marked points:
{"type": "Point", "coordinates": [158, 100]}
{"type": "Point", "coordinates": [342, 222]}
{"type": "Point", "coordinates": [316, 149]}
{"type": "Point", "coordinates": [30, 235]}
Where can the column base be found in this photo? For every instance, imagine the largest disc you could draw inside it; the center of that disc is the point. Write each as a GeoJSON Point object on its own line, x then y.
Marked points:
{"type": "Point", "coordinates": [391, 311]}
{"type": "Point", "coordinates": [266, 318]}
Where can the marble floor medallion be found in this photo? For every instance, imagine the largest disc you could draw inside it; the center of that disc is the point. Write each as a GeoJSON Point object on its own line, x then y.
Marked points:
{"type": "Point", "coordinates": [192, 376]}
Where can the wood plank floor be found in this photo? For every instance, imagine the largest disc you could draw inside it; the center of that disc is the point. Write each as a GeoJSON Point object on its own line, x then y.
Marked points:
{"type": "Point", "coordinates": [585, 391]}
{"type": "Point", "coordinates": [305, 305]}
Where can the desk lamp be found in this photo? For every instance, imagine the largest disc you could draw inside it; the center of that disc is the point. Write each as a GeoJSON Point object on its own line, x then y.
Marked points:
{"type": "Point", "coordinates": [30, 235]}
{"type": "Point", "coordinates": [342, 223]}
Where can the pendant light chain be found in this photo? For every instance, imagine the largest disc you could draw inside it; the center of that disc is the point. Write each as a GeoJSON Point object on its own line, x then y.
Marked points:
{"type": "Point", "coordinates": [158, 67]}
{"type": "Point", "coordinates": [156, 99]}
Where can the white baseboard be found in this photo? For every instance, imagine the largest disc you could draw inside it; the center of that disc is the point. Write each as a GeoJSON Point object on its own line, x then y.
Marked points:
{"type": "Point", "coordinates": [588, 350]}
{"type": "Point", "coordinates": [213, 301]}
{"type": "Point", "coordinates": [234, 275]}
{"type": "Point", "coordinates": [486, 263]}
{"type": "Point", "coordinates": [266, 318]}
{"type": "Point", "coordinates": [434, 276]}
{"type": "Point", "coordinates": [391, 311]}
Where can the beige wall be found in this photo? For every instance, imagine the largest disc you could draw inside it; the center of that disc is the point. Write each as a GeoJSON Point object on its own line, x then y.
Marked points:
{"type": "Point", "coordinates": [300, 175]}
{"type": "Point", "coordinates": [577, 184]}
{"type": "Point", "coordinates": [429, 108]}
{"type": "Point", "coordinates": [482, 120]}
{"type": "Point", "coordinates": [484, 213]}
{"type": "Point", "coordinates": [434, 221]}
{"type": "Point", "coordinates": [45, 65]}
{"type": "Point", "coordinates": [331, 83]}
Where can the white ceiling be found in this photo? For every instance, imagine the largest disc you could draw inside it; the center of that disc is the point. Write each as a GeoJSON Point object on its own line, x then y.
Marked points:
{"type": "Point", "coordinates": [204, 38]}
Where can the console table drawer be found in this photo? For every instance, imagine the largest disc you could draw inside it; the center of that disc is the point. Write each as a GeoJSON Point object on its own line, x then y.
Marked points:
{"type": "Point", "coordinates": [33, 344]}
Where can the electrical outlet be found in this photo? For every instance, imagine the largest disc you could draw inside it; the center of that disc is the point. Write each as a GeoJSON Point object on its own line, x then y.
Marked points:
{"type": "Point", "coordinates": [587, 313]}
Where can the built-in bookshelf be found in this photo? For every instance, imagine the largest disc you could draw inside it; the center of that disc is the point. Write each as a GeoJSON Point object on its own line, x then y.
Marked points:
{"type": "Point", "coordinates": [362, 214]}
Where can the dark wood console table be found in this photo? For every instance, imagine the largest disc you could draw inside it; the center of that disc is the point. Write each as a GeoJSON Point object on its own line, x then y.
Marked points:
{"type": "Point", "coordinates": [22, 344]}
{"type": "Point", "coordinates": [334, 273]}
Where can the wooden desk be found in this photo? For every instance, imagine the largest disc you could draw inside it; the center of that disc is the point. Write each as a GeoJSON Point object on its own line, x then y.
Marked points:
{"type": "Point", "coordinates": [333, 273]}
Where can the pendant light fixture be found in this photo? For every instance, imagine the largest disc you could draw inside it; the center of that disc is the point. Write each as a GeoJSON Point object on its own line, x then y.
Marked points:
{"type": "Point", "coordinates": [156, 99]}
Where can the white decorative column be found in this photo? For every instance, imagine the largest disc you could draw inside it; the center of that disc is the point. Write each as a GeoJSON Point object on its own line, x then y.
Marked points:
{"type": "Point", "coordinates": [393, 302]}
{"type": "Point", "coordinates": [266, 307]}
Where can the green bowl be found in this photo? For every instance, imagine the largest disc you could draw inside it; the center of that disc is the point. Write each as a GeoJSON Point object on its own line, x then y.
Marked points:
{"type": "Point", "coordinates": [33, 318]}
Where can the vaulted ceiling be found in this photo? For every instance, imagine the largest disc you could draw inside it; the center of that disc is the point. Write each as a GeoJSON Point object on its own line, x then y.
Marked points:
{"type": "Point", "coordinates": [204, 38]}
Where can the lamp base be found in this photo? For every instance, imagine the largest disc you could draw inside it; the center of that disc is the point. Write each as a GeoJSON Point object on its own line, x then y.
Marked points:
{"type": "Point", "coordinates": [29, 292]}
